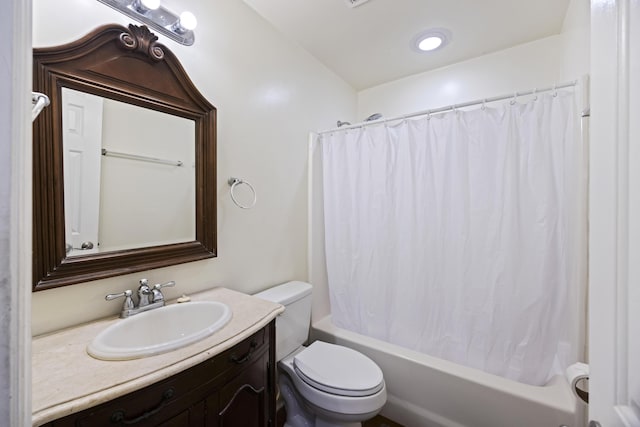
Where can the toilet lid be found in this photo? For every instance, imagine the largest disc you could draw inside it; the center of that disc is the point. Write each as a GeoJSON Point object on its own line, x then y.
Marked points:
{"type": "Point", "coordinates": [338, 370]}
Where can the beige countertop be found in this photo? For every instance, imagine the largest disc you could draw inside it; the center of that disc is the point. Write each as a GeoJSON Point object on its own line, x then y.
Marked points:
{"type": "Point", "coordinates": [67, 380]}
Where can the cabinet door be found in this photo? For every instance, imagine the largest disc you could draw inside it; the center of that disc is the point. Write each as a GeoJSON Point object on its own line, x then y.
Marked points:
{"type": "Point", "coordinates": [243, 401]}
{"type": "Point", "coordinates": [192, 417]}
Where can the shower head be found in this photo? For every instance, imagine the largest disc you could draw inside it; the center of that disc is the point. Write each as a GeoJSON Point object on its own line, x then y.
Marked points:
{"type": "Point", "coordinates": [373, 117]}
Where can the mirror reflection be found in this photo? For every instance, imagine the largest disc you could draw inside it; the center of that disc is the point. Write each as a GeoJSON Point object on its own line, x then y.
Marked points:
{"type": "Point", "coordinates": [129, 175]}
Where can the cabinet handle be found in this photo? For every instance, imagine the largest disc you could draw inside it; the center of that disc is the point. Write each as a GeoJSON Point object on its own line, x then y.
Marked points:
{"type": "Point", "coordinates": [238, 391]}
{"type": "Point", "coordinates": [118, 417]}
{"type": "Point", "coordinates": [247, 356]}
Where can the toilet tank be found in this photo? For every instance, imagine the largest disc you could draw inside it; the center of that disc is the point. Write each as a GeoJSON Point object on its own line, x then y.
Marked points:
{"type": "Point", "coordinates": [292, 326]}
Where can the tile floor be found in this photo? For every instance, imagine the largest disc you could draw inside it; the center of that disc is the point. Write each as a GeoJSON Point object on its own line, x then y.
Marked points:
{"type": "Point", "coordinates": [377, 421]}
{"type": "Point", "coordinates": [380, 421]}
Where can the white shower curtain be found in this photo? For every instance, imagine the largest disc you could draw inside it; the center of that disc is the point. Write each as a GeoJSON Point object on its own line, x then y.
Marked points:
{"type": "Point", "coordinates": [459, 235]}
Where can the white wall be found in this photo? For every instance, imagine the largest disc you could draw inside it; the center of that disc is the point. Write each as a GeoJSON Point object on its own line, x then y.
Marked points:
{"type": "Point", "coordinates": [576, 40]}
{"type": "Point", "coordinates": [269, 93]}
{"type": "Point", "coordinates": [576, 47]}
{"type": "Point", "coordinates": [541, 63]}
{"type": "Point", "coordinates": [535, 64]}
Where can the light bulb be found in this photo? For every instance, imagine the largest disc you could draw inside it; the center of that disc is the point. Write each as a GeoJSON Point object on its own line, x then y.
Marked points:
{"type": "Point", "coordinates": [430, 43]}
{"type": "Point", "coordinates": [188, 21]}
{"type": "Point", "coordinates": [143, 6]}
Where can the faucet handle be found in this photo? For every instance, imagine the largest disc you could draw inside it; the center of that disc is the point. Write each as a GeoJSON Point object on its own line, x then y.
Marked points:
{"type": "Point", "coordinates": [157, 294]}
{"type": "Point", "coordinates": [164, 285]}
{"type": "Point", "coordinates": [128, 302]}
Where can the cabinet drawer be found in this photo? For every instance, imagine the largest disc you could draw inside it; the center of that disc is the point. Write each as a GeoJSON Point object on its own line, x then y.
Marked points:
{"type": "Point", "coordinates": [242, 353]}
{"type": "Point", "coordinates": [146, 407]}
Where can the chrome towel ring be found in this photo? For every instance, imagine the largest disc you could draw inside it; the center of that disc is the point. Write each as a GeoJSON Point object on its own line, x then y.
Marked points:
{"type": "Point", "coordinates": [234, 182]}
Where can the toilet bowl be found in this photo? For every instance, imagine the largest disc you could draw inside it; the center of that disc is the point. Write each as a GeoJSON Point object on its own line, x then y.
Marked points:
{"type": "Point", "coordinates": [338, 384]}
{"type": "Point", "coordinates": [323, 385]}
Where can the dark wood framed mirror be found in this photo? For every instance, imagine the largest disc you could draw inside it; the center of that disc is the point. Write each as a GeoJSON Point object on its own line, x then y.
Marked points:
{"type": "Point", "coordinates": [125, 69]}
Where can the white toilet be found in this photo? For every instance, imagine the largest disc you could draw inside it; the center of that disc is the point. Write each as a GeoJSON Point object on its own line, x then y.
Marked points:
{"type": "Point", "coordinates": [323, 385]}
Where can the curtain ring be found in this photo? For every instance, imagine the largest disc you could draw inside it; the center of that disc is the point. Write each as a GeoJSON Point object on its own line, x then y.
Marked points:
{"type": "Point", "coordinates": [535, 94]}
{"type": "Point", "coordinates": [233, 182]}
{"type": "Point", "coordinates": [555, 90]}
{"type": "Point", "coordinates": [513, 100]}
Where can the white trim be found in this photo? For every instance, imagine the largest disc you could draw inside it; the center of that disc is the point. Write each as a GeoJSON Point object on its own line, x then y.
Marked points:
{"type": "Point", "coordinates": [622, 221]}
{"type": "Point", "coordinates": [614, 202]}
{"type": "Point", "coordinates": [20, 239]}
{"type": "Point", "coordinates": [312, 138]}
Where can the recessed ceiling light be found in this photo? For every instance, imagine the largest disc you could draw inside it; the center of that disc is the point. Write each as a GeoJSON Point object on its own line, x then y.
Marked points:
{"type": "Point", "coordinates": [430, 40]}
{"type": "Point", "coordinates": [430, 43]}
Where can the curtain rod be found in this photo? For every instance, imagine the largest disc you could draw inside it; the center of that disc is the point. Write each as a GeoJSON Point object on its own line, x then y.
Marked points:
{"type": "Point", "coordinates": [453, 107]}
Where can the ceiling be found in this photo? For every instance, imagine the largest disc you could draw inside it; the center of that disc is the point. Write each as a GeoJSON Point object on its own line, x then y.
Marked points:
{"type": "Point", "coordinates": [371, 44]}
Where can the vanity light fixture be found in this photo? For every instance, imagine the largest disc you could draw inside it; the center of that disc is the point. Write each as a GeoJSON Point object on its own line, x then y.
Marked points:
{"type": "Point", "coordinates": [430, 40]}
{"type": "Point", "coordinates": [152, 13]}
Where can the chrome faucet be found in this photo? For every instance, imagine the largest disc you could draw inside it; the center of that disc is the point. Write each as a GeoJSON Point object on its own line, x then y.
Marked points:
{"type": "Point", "coordinates": [148, 298]}
{"type": "Point", "coordinates": [143, 293]}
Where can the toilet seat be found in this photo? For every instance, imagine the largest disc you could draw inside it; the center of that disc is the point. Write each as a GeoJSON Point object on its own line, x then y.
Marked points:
{"type": "Point", "coordinates": [322, 402]}
{"type": "Point", "coordinates": [338, 370]}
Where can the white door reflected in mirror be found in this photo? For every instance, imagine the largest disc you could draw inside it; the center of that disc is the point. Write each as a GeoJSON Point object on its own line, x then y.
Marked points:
{"type": "Point", "coordinates": [129, 175]}
{"type": "Point", "coordinates": [82, 136]}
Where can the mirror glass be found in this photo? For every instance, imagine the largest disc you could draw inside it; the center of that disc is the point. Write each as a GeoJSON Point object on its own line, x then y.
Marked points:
{"type": "Point", "coordinates": [129, 175]}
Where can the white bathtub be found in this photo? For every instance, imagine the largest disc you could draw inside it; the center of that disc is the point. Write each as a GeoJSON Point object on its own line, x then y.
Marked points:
{"type": "Point", "coordinates": [424, 391]}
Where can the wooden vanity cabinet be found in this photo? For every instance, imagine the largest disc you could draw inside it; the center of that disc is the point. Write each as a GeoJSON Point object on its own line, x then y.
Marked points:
{"type": "Point", "coordinates": [235, 388]}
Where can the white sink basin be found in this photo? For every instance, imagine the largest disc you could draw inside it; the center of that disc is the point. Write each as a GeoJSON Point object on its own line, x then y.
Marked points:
{"type": "Point", "coordinates": [159, 330]}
